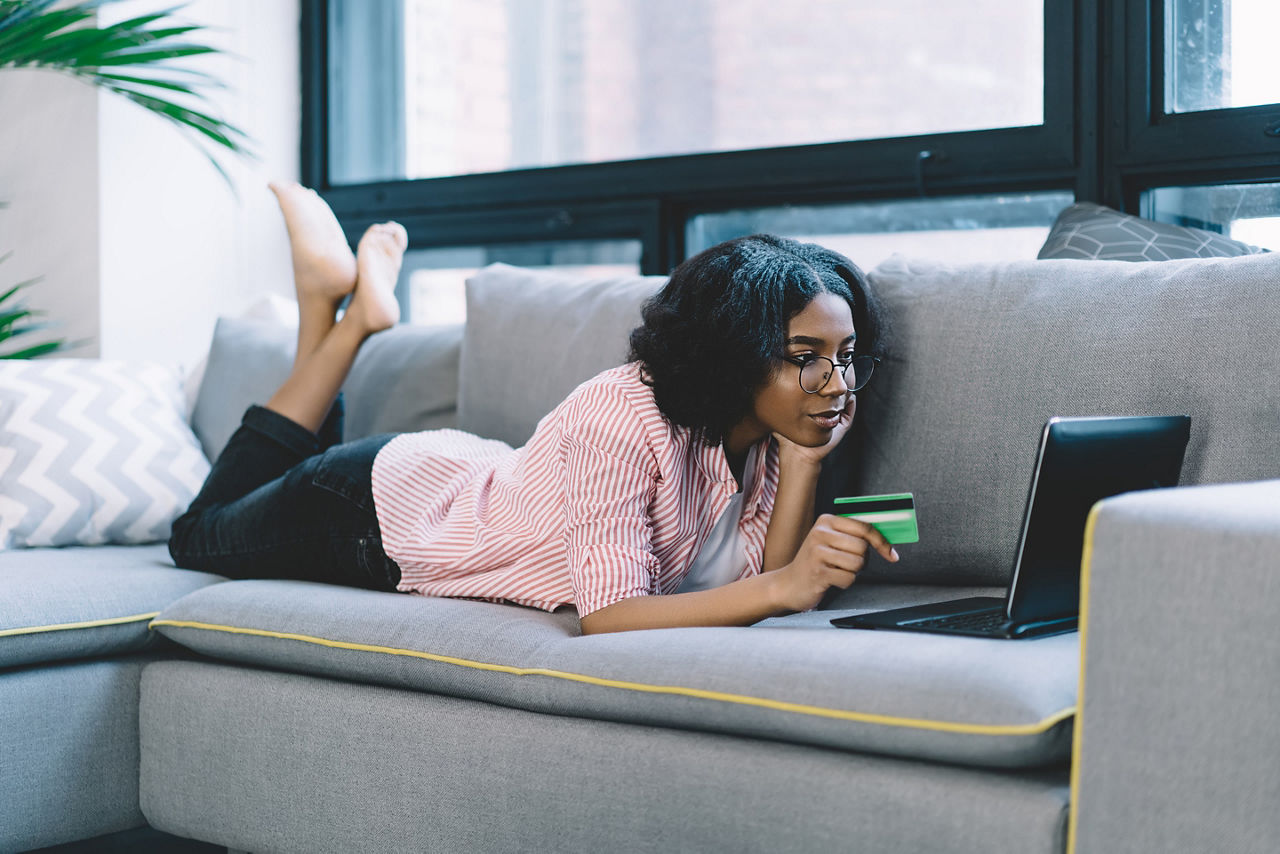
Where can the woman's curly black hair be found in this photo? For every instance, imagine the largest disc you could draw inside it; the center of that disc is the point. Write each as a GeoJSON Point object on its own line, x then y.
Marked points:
{"type": "Point", "coordinates": [715, 333]}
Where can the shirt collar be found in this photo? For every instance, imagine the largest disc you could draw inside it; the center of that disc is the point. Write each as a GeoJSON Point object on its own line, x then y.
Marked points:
{"type": "Point", "coordinates": [766, 455]}
{"type": "Point", "coordinates": [715, 465]}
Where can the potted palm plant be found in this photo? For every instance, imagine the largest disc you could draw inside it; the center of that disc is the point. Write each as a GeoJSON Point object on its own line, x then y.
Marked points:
{"type": "Point", "coordinates": [134, 59]}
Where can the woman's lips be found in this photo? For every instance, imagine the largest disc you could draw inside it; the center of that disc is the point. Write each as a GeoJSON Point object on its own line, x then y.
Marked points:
{"type": "Point", "coordinates": [827, 420]}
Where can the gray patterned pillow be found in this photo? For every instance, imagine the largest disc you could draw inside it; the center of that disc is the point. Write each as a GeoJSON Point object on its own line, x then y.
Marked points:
{"type": "Point", "coordinates": [93, 452]}
{"type": "Point", "coordinates": [1093, 232]}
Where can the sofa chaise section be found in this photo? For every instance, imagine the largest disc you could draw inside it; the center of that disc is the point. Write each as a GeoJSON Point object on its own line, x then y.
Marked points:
{"type": "Point", "coordinates": [475, 726]}
{"type": "Point", "coordinates": [74, 639]}
{"type": "Point", "coordinates": [261, 760]}
{"type": "Point", "coordinates": [82, 602]}
{"type": "Point", "coordinates": [73, 643]}
{"type": "Point", "coordinates": [978, 702]}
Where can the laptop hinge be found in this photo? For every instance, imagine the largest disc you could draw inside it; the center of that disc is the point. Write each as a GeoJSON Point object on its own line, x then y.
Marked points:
{"type": "Point", "coordinates": [1038, 627]}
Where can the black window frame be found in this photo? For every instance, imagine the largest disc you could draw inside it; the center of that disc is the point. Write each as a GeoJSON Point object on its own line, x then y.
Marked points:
{"type": "Point", "coordinates": [1150, 148]}
{"type": "Point", "coordinates": [1105, 137]}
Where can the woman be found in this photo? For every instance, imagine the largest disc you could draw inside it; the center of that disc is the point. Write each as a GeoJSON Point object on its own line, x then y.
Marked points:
{"type": "Point", "coordinates": [675, 490]}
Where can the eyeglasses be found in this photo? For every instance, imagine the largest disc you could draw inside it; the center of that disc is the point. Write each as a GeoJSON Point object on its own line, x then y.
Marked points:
{"type": "Point", "coordinates": [816, 371]}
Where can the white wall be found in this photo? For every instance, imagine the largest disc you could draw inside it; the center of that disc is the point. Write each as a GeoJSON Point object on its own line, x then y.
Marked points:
{"type": "Point", "coordinates": [141, 242]}
{"type": "Point", "coordinates": [49, 178]}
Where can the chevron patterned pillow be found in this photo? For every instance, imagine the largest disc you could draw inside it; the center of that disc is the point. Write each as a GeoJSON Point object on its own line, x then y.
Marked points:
{"type": "Point", "coordinates": [93, 452]}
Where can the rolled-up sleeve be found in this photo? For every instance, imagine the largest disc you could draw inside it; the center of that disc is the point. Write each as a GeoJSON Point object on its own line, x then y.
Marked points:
{"type": "Point", "coordinates": [611, 476]}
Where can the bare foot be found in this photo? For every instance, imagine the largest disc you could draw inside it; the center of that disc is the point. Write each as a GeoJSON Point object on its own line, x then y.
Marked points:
{"type": "Point", "coordinates": [323, 265]}
{"type": "Point", "coordinates": [373, 306]}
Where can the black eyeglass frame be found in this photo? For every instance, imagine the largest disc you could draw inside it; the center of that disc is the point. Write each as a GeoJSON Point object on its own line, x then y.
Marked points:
{"type": "Point", "coordinates": [803, 361]}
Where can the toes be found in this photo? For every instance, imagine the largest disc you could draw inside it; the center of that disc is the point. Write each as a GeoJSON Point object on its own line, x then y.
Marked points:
{"type": "Point", "coordinates": [399, 234]}
{"type": "Point", "coordinates": [393, 231]}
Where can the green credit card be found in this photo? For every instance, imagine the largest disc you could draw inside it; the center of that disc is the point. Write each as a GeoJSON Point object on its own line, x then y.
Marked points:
{"type": "Point", "coordinates": [894, 515]}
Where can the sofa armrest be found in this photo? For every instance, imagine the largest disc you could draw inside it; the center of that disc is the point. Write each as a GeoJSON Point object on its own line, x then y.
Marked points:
{"type": "Point", "coordinates": [1176, 745]}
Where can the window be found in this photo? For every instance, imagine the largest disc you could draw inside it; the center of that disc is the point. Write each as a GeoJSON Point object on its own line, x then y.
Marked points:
{"type": "Point", "coordinates": [958, 229]}
{"type": "Point", "coordinates": [1195, 97]}
{"type": "Point", "coordinates": [952, 130]}
{"type": "Point", "coordinates": [1249, 213]}
{"type": "Point", "coordinates": [472, 86]}
{"type": "Point", "coordinates": [431, 287]}
{"type": "Point", "coordinates": [1220, 53]}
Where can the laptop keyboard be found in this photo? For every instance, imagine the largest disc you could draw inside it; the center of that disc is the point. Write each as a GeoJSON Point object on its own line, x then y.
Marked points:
{"type": "Point", "coordinates": [980, 621]}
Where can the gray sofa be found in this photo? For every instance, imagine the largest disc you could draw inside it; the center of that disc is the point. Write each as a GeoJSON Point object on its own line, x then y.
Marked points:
{"type": "Point", "coordinates": [279, 716]}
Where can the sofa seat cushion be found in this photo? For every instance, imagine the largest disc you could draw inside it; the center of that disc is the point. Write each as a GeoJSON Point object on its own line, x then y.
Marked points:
{"type": "Point", "coordinates": [963, 700]}
{"type": "Point", "coordinates": [83, 602]}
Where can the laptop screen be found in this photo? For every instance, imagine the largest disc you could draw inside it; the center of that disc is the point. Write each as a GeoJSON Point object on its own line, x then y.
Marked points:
{"type": "Point", "coordinates": [1080, 462]}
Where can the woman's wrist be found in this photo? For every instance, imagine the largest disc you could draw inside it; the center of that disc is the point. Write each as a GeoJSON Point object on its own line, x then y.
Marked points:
{"type": "Point", "coordinates": [773, 584]}
{"type": "Point", "coordinates": [793, 461]}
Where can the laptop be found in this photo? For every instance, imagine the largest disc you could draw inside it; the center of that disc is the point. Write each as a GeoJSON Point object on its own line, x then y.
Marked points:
{"type": "Point", "coordinates": [1079, 462]}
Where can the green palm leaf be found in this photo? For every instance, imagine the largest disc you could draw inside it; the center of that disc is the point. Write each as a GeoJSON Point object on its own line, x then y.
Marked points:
{"type": "Point", "coordinates": [15, 320]}
{"type": "Point", "coordinates": [13, 13]}
{"type": "Point", "coordinates": [34, 35]}
{"type": "Point", "coordinates": [32, 352]}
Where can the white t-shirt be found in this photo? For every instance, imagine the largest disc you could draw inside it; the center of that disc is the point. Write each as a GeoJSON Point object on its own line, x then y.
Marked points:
{"type": "Point", "coordinates": [723, 556]}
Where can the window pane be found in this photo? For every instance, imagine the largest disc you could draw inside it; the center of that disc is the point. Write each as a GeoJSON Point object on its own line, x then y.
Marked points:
{"type": "Point", "coordinates": [1220, 53]}
{"type": "Point", "coordinates": [956, 230]}
{"type": "Point", "coordinates": [1249, 213]}
{"type": "Point", "coordinates": [431, 286]}
{"type": "Point", "coordinates": [492, 85]}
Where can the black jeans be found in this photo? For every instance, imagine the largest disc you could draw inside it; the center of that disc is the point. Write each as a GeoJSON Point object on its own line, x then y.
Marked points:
{"type": "Point", "coordinates": [283, 502]}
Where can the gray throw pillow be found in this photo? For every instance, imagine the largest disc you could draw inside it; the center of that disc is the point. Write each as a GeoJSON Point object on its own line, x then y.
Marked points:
{"type": "Point", "coordinates": [93, 452]}
{"type": "Point", "coordinates": [1089, 231]}
{"type": "Point", "coordinates": [533, 336]}
{"type": "Point", "coordinates": [404, 379]}
{"type": "Point", "coordinates": [248, 361]}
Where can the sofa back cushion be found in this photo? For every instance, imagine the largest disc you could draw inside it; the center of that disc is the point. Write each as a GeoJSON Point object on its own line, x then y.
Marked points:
{"type": "Point", "coordinates": [404, 379]}
{"type": "Point", "coordinates": [980, 356]}
{"type": "Point", "coordinates": [532, 336]}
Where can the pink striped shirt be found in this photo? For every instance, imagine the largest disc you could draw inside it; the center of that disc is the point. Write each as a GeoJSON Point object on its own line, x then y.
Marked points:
{"type": "Point", "coordinates": [608, 500]}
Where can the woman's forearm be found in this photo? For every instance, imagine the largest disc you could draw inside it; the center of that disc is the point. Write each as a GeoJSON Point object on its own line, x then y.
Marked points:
{"type": "Point", "coordinates": [793, 512]}
{"type": "Point", "coordinates": [739, 603]}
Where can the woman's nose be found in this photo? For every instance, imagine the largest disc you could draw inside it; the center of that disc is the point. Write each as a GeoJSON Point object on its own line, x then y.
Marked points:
{"type": "Point", "coordinates": [836, 386]}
